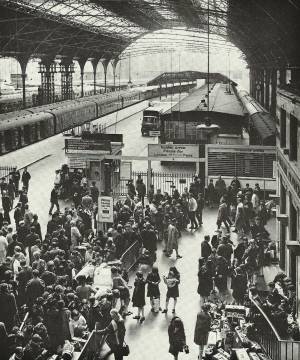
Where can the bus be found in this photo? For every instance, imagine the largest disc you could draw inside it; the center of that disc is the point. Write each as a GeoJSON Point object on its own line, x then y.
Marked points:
{"type": "Point", "coordinates": [151, 118]}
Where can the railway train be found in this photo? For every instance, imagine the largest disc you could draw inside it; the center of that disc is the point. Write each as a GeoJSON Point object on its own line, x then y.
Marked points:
{"type": "Point", "coordinates": [261, 124]}
{"type": "Point", "coordinates": [24, 127]}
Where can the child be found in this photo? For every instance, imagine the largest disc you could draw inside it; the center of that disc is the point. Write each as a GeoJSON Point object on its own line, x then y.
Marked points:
{"type": "Point", "coordinates": [138, 297]}
{"type": "Point", "coordinates": [153, 280]}
{"type": "Point", "coordinates": [172, 281]}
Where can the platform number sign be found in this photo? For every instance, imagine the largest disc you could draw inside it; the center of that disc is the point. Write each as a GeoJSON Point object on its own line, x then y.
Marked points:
{"type": "Point", "coordinates": [105, 209]}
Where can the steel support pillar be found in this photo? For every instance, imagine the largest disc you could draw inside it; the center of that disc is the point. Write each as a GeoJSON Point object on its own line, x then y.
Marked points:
{"type": "Point", "coordinates": [82, 62]}
{"type": "Point", "coordinates": [23, 61]}
{"type": "Point", "coordinates": [105, 63]}
{"type": "Point", "coordinates": [251, 81]}
{"type": "Point", "coordinates": [267, 89]}
{"type": "Point", "coordinates": [47, 70]}
{"type": "Point", "coordinates": [24, 90]}
{"type": "Point", "coordinates": [114, 64]}
{"type": "Point", "coordinates": [262, 87]}
{"type": "Point", "coordinates": [66, 70]}
{"type": "Point", "coordinates": [282, 77]}
{"type": "Point", "coordinates": [95, 62]}
{"type": "Point", "coordinates": [273, 92]}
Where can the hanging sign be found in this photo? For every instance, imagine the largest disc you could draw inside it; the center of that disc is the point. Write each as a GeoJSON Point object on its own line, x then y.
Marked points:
{"type": "Point", "coordinates": [173, 150]}
{"type": "Point", "coordinates": [105, 209]}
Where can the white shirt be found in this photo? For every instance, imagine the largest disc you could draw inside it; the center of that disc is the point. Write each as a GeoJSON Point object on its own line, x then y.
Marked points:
{"type": "Point", "coordinates": [3, 243]}
{"type": "Point", "coordinates": [255, 201]}
{"type": "Point", "coordinates": [192, 204]}
{"type": "Point", "coordinates": [81, 322]}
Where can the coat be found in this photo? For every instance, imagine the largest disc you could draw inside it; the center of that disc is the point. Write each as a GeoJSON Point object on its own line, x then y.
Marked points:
{"type": "Point", "coordinates": [26, 177]}
{"type": "Point", "coordinates": [202, 328]}
{"type": "Point", "coordinates": [239, 286]}
{"type": "Point", "coordinates": [222, 212]}
{"type": "Point", "coordinates": [177, 339]}
{"type": "Point", "coordinates": [172, 238]}
{"type": "Point", "coordinates": [205, 282]}
{"type": "Point", "coordinates": [205, 249]}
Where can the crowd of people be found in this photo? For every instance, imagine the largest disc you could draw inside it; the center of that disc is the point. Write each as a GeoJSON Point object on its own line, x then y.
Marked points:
{"type": "Point", "coordinates": [38, 273]}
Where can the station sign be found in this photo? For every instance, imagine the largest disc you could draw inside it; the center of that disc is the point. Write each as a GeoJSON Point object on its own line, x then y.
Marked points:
{"type": "Point", "coordinates": [105, 209]}
{"type": "Point", "coordinates": [80, 146]}
{"type": "Point", "coordinates": [101, 137]}
{"type": "Point", "coordinates": [173, 151]}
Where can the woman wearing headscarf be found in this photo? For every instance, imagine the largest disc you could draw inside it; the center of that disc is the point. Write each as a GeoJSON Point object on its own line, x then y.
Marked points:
{"type": "Point", "coordinates": [177, 338]}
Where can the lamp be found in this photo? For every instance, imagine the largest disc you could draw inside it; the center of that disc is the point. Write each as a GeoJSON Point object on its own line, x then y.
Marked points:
{"type": "Point", "coordinates": [208, 132]}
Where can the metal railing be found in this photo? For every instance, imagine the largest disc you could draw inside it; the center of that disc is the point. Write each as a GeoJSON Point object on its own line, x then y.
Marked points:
{"type": "Point", "coordinates": [166, 182]}
{"type": "Point", "coordinates": [92, 347]}
{"type": "Point", "coordinates": [130, 256]}
{"type": "Point", "coordinates": [5, 171]}
{"type": "Point", "coordinates": [269, 339]}
{"type": "Point", "coordinates": [94, 344]}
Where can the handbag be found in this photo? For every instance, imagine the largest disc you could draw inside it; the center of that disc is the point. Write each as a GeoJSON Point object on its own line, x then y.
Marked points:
{"type": "Point", "coordinates": [186, 349]}
{"type": "Point", "coordinates": [125, 351]}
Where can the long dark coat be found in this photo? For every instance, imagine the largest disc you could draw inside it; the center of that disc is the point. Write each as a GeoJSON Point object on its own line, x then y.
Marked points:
{"type": "Point", "coordinates": [205, 282]}
{"type": "Point", "coordinates": [202, 328]}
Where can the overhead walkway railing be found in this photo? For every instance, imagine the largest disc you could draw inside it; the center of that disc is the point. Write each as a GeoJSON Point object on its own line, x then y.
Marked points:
{"type": "Point", "coordinates": [270, 340]}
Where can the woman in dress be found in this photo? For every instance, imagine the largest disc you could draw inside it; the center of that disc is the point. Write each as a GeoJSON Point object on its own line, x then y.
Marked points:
{"type": "Point", "coordinates": [177, 339]}
{"type": "Point", "coordinates": [172, 281]}
{"type": "Point", "coordinates": [138, 297]}
{"type": "Point", "coordinates": [202, 328]}
{"type": "Point", "coordinates": [153, 280]}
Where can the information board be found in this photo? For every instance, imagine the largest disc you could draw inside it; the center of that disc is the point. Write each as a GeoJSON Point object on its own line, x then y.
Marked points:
{"type": "Point", "coordinates": [105, 209]}
{"type": "Point", "coordinates": [173, 151]}
{"type": "Point", "coordinates": [125, 170]}
{"type": "Point", "coordinates": [241, 161]}
{"type": "Point", "coordinates": [79, 146]}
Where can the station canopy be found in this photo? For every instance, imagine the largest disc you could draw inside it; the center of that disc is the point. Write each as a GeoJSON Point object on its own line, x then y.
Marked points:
{"type": "Point", "coordinates": [265, 31]}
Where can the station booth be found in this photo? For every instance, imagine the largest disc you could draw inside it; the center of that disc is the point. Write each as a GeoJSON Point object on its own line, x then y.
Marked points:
{"type": "Point", "coordinates": [86, 154]}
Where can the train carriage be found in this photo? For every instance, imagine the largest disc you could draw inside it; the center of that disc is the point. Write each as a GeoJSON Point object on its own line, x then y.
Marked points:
{"type": "Point", "coordinates": [73, 114]}
{"type": "Point", "coordinates": [23, 130]}
{"type": "Point", "coordinates": [261, 124]}
{"type": "Point", "coordinates": [61, 116]}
